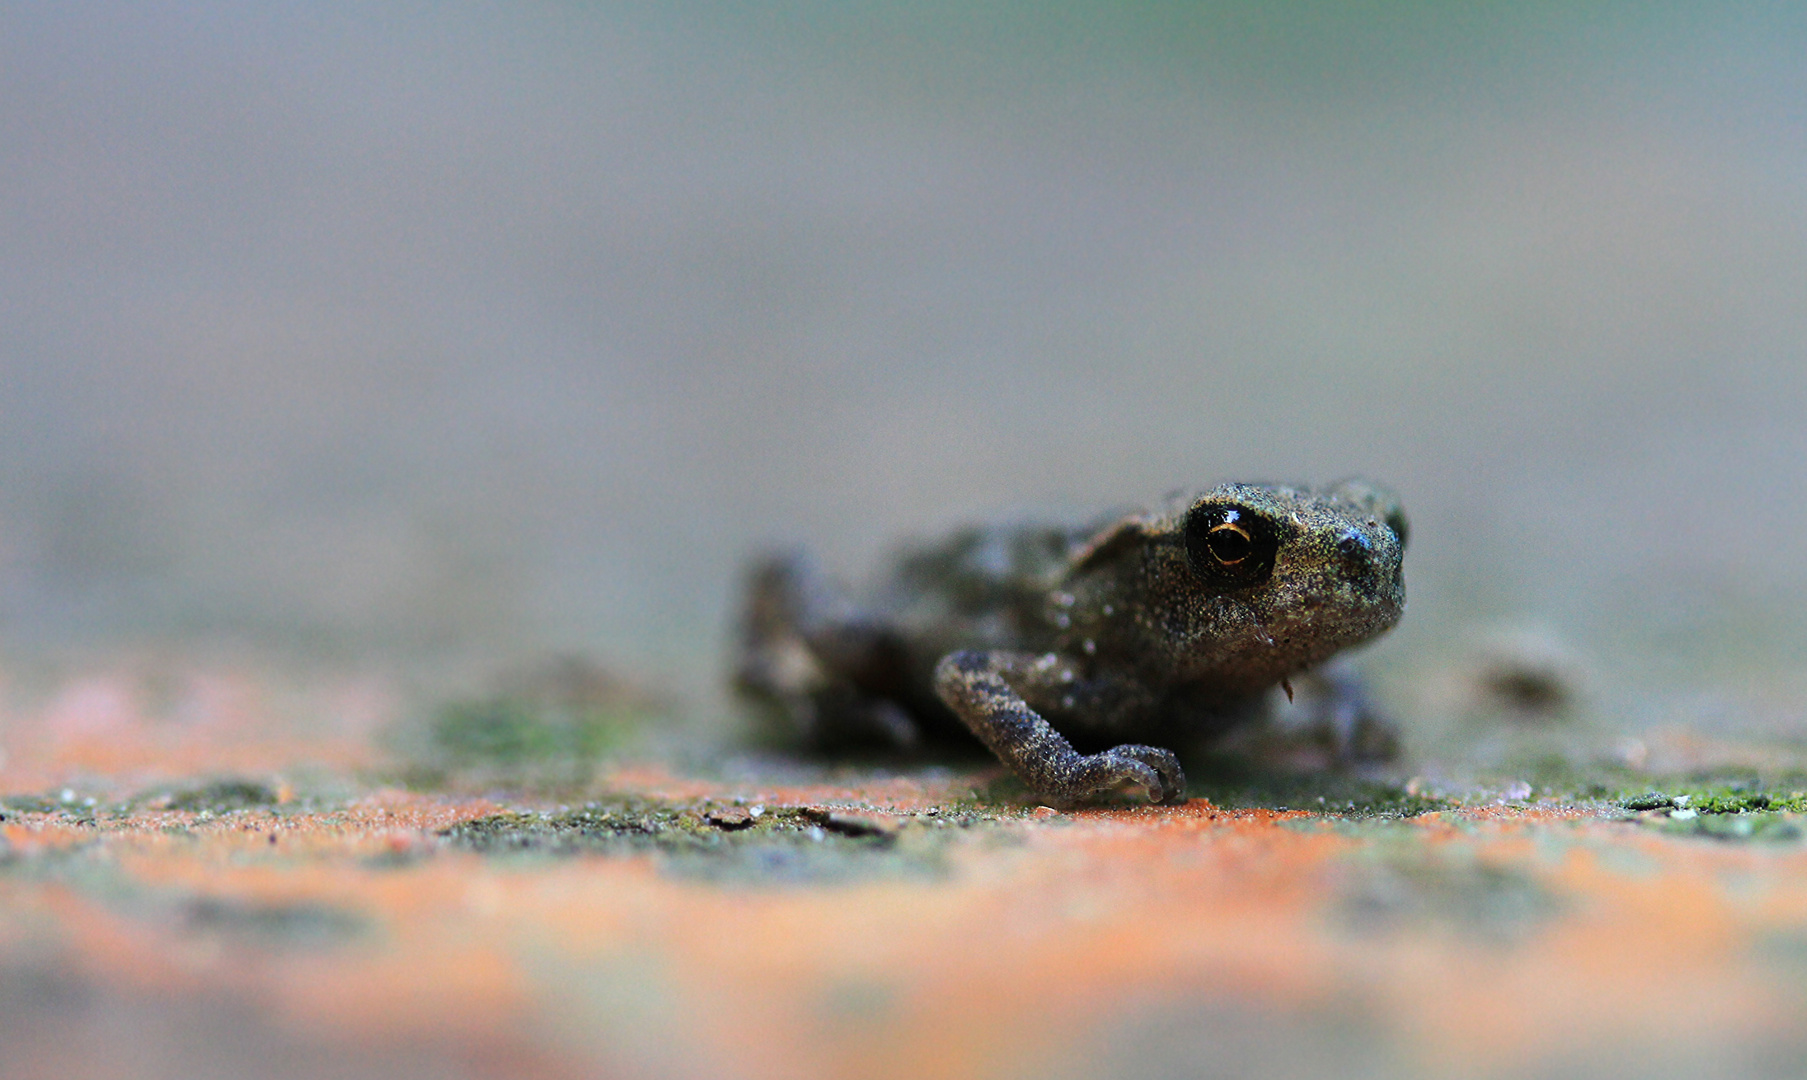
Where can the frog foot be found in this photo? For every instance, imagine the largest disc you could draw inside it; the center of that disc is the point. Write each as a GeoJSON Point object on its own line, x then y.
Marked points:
{"type": "Point", "coordinates": [1156, 771]}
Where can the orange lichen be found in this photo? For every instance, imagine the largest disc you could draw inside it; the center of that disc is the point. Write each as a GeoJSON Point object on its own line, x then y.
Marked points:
{"type": "Point", "coordinates": [1024, 938]}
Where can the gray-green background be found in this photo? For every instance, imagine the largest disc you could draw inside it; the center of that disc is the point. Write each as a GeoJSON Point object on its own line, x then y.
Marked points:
{"type": "Point", "coordinates": [435, 336]}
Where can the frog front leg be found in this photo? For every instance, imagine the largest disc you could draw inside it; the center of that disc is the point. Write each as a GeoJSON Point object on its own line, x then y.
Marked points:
{"type": "Point", "coordinates": [987, 690]}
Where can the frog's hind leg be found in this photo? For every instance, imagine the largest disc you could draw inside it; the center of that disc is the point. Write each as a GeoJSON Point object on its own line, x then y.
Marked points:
{"type": "Point", "coordinates": [803, 664]}
{"type": "Point", "coordinates": [776, 669]}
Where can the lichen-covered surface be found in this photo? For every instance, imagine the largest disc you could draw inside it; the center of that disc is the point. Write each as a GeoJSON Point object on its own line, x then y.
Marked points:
{"type": "Point", "coordinates": [184, 900]}
{"type": "Point", "coordinates": [355, 355]}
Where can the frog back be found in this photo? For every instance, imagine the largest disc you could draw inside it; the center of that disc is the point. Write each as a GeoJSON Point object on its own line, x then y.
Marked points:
{"type": "Point", "coordinates": [982, 587]}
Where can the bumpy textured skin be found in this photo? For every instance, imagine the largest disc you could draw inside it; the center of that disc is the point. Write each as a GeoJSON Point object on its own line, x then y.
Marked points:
{"type": "Point", "coordinates": [1070, 652]}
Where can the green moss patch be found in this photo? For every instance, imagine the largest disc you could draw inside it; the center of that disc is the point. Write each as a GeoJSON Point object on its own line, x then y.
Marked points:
{"type": "Point", "coordinates": [1744, 799]}
{"type": "Point", "coordinates": [64, 802]}
{"type": "Point", "coordinates": [546, 728]}
{"type": "Point", "coordinates": [223, 796]}
{"type": "Point", "coordinates": [512, 732]}
{"type": "Point", "coordinates": [1761, 826]}
{"type": "Point", "coordinates": [1724, 809]}
{"type": "Point", "coordinates": [1234, 785]}
{"type": "Point", "coordinates": [720, 841]}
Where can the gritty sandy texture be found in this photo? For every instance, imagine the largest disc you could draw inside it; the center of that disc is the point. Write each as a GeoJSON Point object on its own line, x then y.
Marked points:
{"type": "Point", "coordinates": [864, 924]}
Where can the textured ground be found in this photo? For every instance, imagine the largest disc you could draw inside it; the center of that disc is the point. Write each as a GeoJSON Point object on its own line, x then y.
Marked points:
{"type": "Point", "coordinates": [206, 896]}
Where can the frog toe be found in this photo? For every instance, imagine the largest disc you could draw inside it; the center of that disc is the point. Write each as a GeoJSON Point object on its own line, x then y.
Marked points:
{"type": "Point", "coordinates": [1153, 770]}
{"type": "Point", "coordinates": [1167, 769]}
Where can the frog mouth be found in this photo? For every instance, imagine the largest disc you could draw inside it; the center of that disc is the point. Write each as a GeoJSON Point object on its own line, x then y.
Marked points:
{"type": "Point", "coordinates": [1305, 636]}
{"type": "Point", "coordinates": [1267, 646]}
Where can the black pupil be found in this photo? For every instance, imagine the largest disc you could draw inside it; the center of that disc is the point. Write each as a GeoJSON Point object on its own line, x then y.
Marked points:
{"type": "Point", "coordinates": [1230, 547]}
{"type": "Point", "coordinates": [1229, 544]}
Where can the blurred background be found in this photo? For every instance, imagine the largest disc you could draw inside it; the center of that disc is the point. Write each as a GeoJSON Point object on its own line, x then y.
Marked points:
{"type": "Point", "coordinates": [429, 339]}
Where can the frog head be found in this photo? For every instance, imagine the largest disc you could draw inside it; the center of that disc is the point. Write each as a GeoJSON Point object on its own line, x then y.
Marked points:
{"type": "Point", "coordinates": [1247, 584]}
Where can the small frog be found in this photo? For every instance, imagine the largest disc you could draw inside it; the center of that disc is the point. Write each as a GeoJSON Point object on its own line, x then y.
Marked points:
{"type": "Point", "coordinates": [1070, 651]}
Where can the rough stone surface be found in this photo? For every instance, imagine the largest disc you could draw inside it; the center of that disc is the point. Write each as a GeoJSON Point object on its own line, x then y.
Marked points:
{"type": "Point", "coordinates": [291, 909]}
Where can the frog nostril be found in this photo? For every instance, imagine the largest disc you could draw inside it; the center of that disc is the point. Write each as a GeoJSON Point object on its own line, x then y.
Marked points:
{"type": "Point", "coordinates": [1354, 548]}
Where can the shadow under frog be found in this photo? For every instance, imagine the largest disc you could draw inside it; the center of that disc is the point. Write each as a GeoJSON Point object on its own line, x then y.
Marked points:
{"type": "Point", "coordinates": [1079, 655]}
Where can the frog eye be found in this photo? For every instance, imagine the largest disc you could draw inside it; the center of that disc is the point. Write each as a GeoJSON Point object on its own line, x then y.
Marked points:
{"type": "Point", "coordinates": [1230, 546]}
{"type": "Point", "coordinates": [1229, 543]}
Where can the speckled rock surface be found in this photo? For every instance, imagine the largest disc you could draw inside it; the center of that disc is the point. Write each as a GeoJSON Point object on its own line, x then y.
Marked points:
{"type": "Point", "coordinates": [183, 901]}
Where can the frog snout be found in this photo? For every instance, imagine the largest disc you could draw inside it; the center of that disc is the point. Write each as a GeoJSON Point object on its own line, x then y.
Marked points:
{"type": "Point", "coordinates": [1362, 564]}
